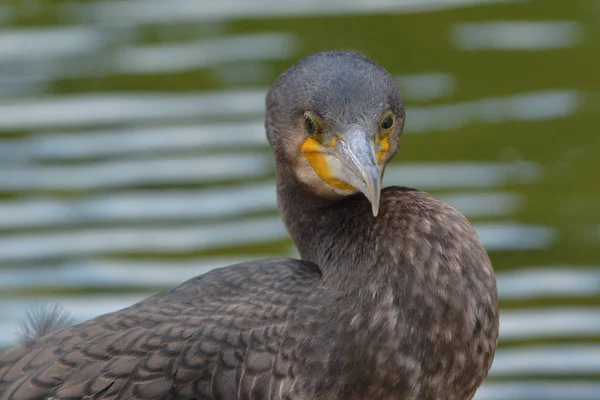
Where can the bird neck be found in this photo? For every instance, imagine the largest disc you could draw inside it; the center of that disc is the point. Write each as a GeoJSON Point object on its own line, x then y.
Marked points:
{"type": "Point", "coordinates": [417, 275]}
{"type": "Point", "coordinates": [339, 236]}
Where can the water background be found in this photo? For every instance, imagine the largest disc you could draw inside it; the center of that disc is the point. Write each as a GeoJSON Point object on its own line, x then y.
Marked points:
{"type": "Point", "coordinates": [133, 156]}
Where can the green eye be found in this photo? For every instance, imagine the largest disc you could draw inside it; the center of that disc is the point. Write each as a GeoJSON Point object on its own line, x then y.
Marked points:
{"type": "Point", "coordinates": [387, 122]}
{"type": "Point", "coordinates": [311, 125]}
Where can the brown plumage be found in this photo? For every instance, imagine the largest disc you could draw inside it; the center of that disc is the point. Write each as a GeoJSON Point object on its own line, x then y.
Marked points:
{"type": "Point", "coordinates": [398, 306]}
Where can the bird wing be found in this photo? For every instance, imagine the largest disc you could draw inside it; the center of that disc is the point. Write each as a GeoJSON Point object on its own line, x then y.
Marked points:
{"type": "Point", "coordinates": [216, 336]}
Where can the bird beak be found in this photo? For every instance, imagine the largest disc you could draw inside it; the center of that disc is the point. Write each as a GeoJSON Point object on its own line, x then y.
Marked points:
{"type": "Point", "coordinates": [356, 151]}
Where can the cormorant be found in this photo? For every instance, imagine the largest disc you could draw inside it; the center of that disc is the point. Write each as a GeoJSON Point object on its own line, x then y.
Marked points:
{"type": "Point", "coordinates": [394, 296]}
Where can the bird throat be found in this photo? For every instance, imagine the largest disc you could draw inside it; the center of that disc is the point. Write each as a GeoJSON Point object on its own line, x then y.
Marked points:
{"type": "Point", "coordinates": [334, 234]}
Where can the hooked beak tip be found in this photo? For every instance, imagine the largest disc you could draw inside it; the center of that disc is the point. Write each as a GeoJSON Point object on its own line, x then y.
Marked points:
{"type": "Point", "coordinates": [372, 178]}
{"type": "Point", "coordinates": [375, 209]}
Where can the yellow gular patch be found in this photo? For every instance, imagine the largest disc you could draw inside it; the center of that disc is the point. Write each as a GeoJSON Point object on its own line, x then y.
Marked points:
{"type": "Point", "coordinates": [385, 146]}
{"type": "Point", "coordinates": [312, 151]}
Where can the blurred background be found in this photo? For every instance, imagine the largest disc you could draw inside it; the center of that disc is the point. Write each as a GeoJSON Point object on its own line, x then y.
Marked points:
{"type": "Point", "coordinates": [133, 156]}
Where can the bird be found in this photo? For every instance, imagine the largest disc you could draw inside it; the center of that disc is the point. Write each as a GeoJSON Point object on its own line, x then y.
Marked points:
{"type": "Point", "coordinates": [393, 297]}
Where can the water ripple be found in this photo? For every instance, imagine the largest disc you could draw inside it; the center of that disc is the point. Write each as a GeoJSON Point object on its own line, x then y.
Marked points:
{"type": "Point", "coordinates": [181, 57]}
{"type": "Point", "coordinates": [517, 35]}
{"type": "Point", "coordinates": [99, 109]}
{"type": "Point", "coordinates": [177, 11]}
{"type": "Point", "coordinates": [105, 174]}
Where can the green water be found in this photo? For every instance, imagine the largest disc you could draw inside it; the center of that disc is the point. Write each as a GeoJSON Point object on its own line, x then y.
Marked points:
{"type": "Point", "coordinates": [503, 102]}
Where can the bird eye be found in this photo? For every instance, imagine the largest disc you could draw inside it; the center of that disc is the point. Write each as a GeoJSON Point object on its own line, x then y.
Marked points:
{"type": "Point", "coordinates": [387, 122]}
{"type": "Point", "coordinates": [310, 123]}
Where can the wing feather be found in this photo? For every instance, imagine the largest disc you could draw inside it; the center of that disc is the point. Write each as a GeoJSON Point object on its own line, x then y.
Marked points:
{"type": "Point", "coordinates": [217, 336]}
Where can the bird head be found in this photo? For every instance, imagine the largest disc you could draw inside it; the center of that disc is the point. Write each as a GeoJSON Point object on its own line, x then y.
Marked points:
{"type": "Point", "coordinates": [336, 118]}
